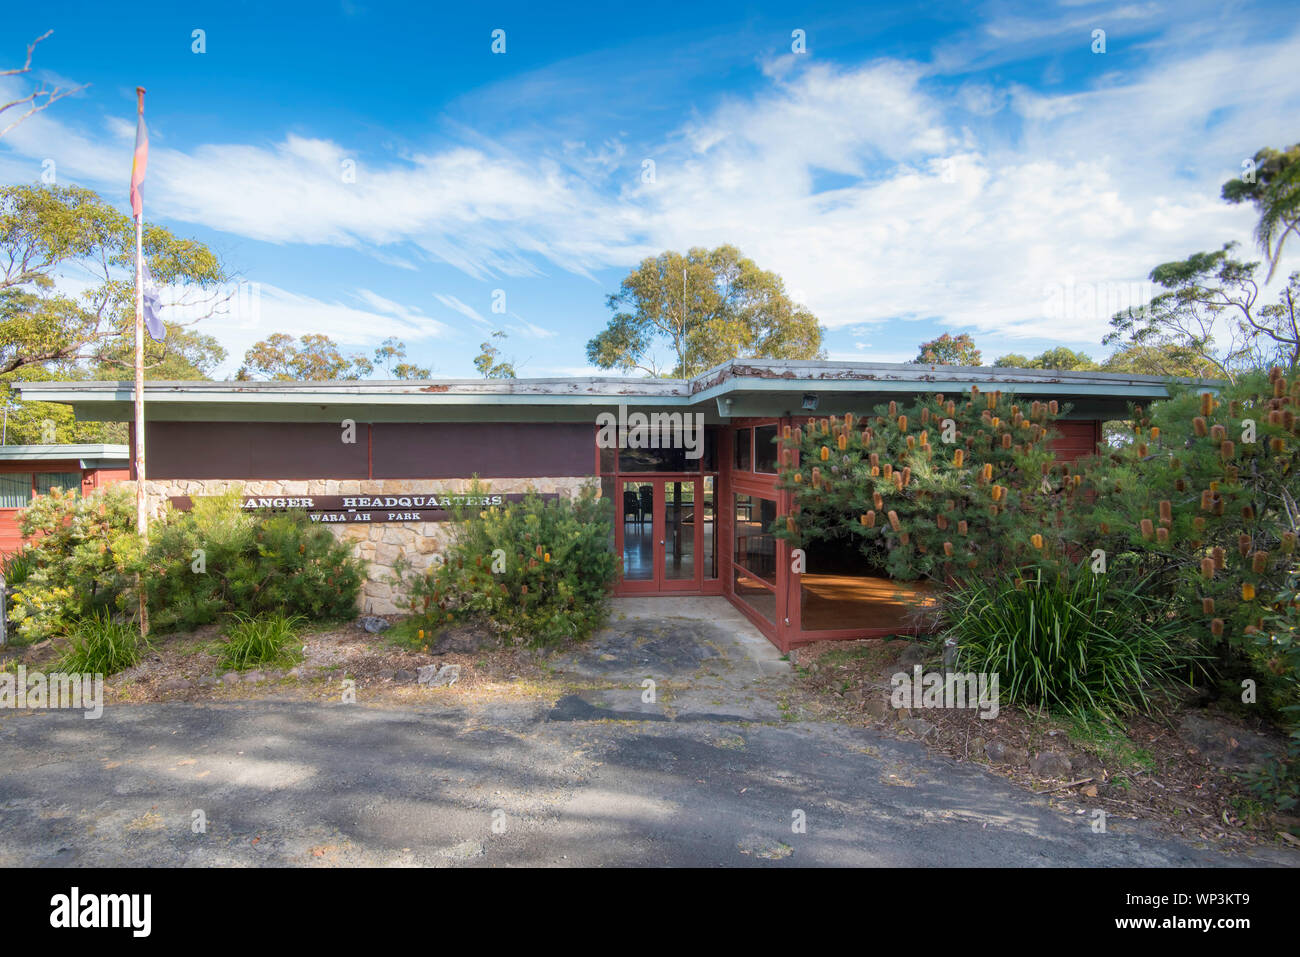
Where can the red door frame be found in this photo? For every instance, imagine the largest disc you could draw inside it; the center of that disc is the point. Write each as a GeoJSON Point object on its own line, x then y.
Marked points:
{"type": "Point", "coordinates": [658, 584]}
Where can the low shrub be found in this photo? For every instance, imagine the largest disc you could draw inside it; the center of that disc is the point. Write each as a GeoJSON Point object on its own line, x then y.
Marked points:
{"type": "Point", "coordinates": [16, 567]}
{"type": "Point", "coordinates": [217, 559]}
{"type": "Point", "coordinates": [263, 640]}
{"type": "Point", "coordinates": [1082, 644]}
{"type": "Point", "coordinates": [539, 571]}
{"type": "Point", "coordinates": [100, 645]}
{"type": "Point", "coordinates": [81, 562]}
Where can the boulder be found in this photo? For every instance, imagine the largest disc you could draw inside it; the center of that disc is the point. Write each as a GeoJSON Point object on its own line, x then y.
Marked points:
{"type": "Point", "coordinates": [373, 624]}
{"type": "Point", "coordinates": [434, 676]}
{"type": "Point", "coordinates": [1226, 744]}
{"type": "Point", "coordinates": [1050, 764]}
{"type": "Point", "coordinates": [1001, 753]}
{"type": "Point", "coordinates": [918, 726]}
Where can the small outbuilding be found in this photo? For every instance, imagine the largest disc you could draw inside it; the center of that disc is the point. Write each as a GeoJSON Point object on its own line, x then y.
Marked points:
{"type": "Point", "coordinates": [30, 470]}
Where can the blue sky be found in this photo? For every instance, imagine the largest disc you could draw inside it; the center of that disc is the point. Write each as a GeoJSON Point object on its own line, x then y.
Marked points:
{"type": "Point", "coordinates": [918, 170]}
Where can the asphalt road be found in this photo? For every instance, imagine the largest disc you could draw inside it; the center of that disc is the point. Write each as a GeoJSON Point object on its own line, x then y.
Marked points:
{"type": "Point", "coordinates": [287, 783]}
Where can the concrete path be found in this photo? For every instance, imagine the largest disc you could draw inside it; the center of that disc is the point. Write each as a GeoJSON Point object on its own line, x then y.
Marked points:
{"type": "Point", "coordinates": [699, 776]}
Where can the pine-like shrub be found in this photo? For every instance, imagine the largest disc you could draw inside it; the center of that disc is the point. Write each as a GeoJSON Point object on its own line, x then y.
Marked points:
{"type": "Point", "coordinates": [218, 558]}
{"type": "Point", "coordinates": [539, 570]}
{"type": "Point", "coordinates": [80, 564]}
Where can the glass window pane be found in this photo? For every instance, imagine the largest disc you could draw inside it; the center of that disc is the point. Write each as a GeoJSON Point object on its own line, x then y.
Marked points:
{"type": "Point", "coordinates": [743, 438]}
{"type": "Point", "coordinates": [68, 481]}
{"type": "Point", "coordinates": [15, 489]}
{"type": "Point", "coordinates": [638, 532]}
{"type": "Point", "coordinates": [680, 514]}
{"type": "Point", "coordinates": [765, 448]}
{"type": "Point", "coordinates": [755, 546]}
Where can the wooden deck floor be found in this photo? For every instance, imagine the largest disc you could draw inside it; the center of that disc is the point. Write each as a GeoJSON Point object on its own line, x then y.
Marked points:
{"type": "Point", "coordinates": [834, 602]}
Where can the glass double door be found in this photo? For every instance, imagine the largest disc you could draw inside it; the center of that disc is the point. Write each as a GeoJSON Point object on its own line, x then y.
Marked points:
{"type": "Point", "coordinates": [667, 534]}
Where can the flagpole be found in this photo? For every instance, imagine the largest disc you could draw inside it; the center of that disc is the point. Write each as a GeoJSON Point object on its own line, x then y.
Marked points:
{"type": "Point", "coordinates": [141, 513]}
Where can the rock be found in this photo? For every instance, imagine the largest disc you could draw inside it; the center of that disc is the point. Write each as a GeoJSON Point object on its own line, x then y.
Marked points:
{"type": "Point", "coordinates": [915, 653]}
{"type": "Point", "coordinates": [1050, 764]}
{"type": "Point", "coordinates": [207, 681]}
{"type": "Point", "coordinates": [176, 684]}
{"type": "Point", "coordinates": [230, 678]}
{"type": "Point", "coordinates": [918, 726]}
{"type": "Point", "coordinates": [403, 676]}
{"type": "Point", "coordinates": [251, 677]}
{"type": "Point", "coordinates": [1228, 745]}
{"type": "Point", "coordinates": [877, 706]}
{"type": "Point", "coordinates": [1000, 753]}
{"type": "Point", "coordinates": [373, 624]}
{"type": "Point", "coordinates": [434, 676]}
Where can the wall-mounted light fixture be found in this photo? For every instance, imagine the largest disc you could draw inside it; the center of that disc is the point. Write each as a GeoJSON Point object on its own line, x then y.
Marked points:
{"type": "Point", "coordinates": [724, 407]}
{"type": "Point", "coordinates": [810, 401]}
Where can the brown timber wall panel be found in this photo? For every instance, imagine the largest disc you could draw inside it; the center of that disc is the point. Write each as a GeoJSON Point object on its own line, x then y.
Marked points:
{"type": "Point", "coordinates": [490, 450]}
{"type": "Point", "coordinates": [253, 450]}
{"type": "Point", "coordinates": [1078, 438]}
{"type": "Point", "coordinates": [290, 450]}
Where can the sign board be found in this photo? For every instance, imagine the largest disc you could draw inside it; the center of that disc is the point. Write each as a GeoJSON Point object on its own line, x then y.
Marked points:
{"type": "Point", "coordinates": [335, 509]}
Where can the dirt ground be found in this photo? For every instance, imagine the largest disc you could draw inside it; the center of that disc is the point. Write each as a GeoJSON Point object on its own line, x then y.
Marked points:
{"type": "Point", "coordinates": [1145, 770]}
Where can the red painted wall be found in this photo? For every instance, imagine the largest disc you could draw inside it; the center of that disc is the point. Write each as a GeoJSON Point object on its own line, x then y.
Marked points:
{"type": "Point", "coordinates": [91, 481]}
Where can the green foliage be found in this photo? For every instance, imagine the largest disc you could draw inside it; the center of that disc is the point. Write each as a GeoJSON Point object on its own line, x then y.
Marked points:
{"type": "Point", "coordinates": [218, 558]}
{"type": "Point", "coordinates": [538, 571]}
{"type": "Point", "coordinates": [489, 363]}
{"type": "Point", "coordinates": [707, 306]}
{"type": "Point", "coordinates": [923, 498]}
{"type": "Point", "coordinates": [261, 640]}
{"type": "Point", "coordinates": [99, 645]}
{"type": "Point", "coordinates": [1274, 191]}
{"type": "Point", "coordinates": [316, 357]}
{"type": "Point", "coordinates": [949, 350]}
{"type": "Point", "coordinates": [82, 560]}
{"type": "Point", "coordinates": [1277, 649]}
{"type": "Point", "coordinates": [1086, 645]}
{"type": "Point", "coordinates": [17, 566]}
{"type": "Point", "coordinates": [1207, 517]}
{"type": "Point", "coordinates": [1058, 358]}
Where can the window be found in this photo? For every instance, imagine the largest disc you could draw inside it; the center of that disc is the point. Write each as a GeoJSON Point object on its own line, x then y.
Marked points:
{"type": "Point", "coordinates": [743, 439]}
{"type": "Point", "coordinates": [755, 546]}
{"type": "Point", "coordinates": [68, 481]}
{"type": "Point", "coordinates": [15, 489]}
{"type": "Point", "coordinates": [765, 448]}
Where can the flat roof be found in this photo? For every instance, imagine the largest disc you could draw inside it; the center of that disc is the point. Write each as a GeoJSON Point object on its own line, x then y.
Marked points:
{"type": "Point", "coordinates": [85, 451]}
{"type": "Point", "coordinates": [738, 387]}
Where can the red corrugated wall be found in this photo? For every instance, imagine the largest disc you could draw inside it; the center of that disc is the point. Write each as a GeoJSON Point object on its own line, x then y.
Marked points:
{"type": "Point", "coordinates": [1078, 438]}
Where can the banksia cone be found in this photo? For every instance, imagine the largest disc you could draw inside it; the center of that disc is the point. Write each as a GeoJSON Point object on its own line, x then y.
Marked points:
{"type": "Point", "coordinates": [962, 527]}
{"type": "Point", "coordinates": [911, 442]}
{"type": "Point", "coordinates": [1216, 628]}
{"type": "Point", "coordinates": [1207, 606]}
{"type": "Point", "coordinates": [1288, 543]}
{"type": "Point", "coordinates": [1247, 591]}
{"type": "Point", "coordinates": [1105, 528]}
{"type": "Point", "coordinates": [817, 478]}
{"type": "Point", "coordinates": [898, 481]}
{"type": "Point", "coordinates": [1279, 387]}
{"type": "Point", "coordinates": [1207, 500]}
{"type": "Point", "coordinates": [1053, 407]}
{"type": "Point", "coordinates": [993, 511]}
{"type": "Point", "coordinates": [902, 423]}
{"type": "Point", "coordinates": [1036, 540]}
{"type": "Point", "coordinates": [1207, 568]}
{"type": "Point", "coordinates": [893, 409]}
{"type": "Point", "coordinates": [862, 519]}
{"type": "Point", "coordinates": [905, 538]}
{"type": "Point", "coordinates": [790, 525]}
{"type": "Point", "coordinates": [1243, 544]}
{"type": "Point", "coordinates": [951, 407]}
{"type": "Point", "coordinates": [1166, 511]}
{"type": "Point", "coordinates": [1142, 450]}
{"type": "Point", "coordinates": [893, 520]}
{"type": "Point", "coordinates": [1219, 557]}
{"type": "Point", "coordinates": [925, 416]}
{"type": "Point", "coordinates": [1198, 523]}
{"type": "Point", "coordinates": [1227, 449]}
{"type": "Point", "coordinates": [842, 442]}
{"type": "Point", "coordinates": [1006, 440]}
{"type": "Point", "coordinates": [1247, 512]}
{"type": "Point", "coordinates": [785, 432]}
{"type": "Point", "coordinates": [1259, 562]}
{"type": "Point", "coordinates": [1199, 427]}
{"type": "Point", "coordinates": [878, 500]}
{"type": "Point", "coordinates": [870, 519]}
{"type": "Point", "coordinates": [947, 549]}
{"type": "Point", "coordinates": [941, 522]}
{"type": "Point", "coordinates": [875, 458]}
{"type": "Point", "coordinates": [1162, 536]}
{"type": "Point", "coordinates": [798, 478]}
{"type": "Point", "coordinates": [1207, 403]}
{"type": "Point", "coordinates": [907, 475]}
{"type": "Point", "coordinates": [825, 453]}
{"type": "Point", "coordinates": [888, 470]}
{"type": "Point", "coordinates": [1180, 485]}
{"type": "Point", "coordinates": [997, 493]}
{"type": "Point", "coordinates": [1278, 445]}
{"type": "Point", "coordinates": [1147, 529]}
{"type": "Point", "coordinates": [1218, 433]}
{"type": "Point", "coordinates": [1155, 432]}
{"type": "Point", "coordinates": [875, 471]}
{"type": "Point", "coordinates": [1288, 420]}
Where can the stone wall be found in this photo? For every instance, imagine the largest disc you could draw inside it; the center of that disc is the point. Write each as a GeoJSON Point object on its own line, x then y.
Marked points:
{"type": "Point", "coordinates": [379, 543]}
